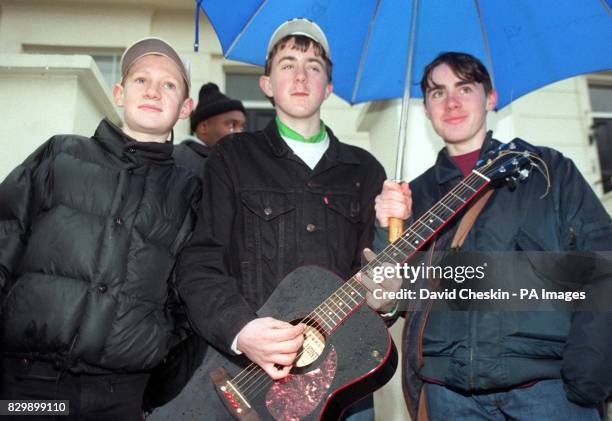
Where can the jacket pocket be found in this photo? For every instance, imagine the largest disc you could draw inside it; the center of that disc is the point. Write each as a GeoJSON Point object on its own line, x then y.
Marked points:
{"type": "Point", "coordinates": [344, 226]}
{"type": "Point", "coordinates": [556, 270]}
{"type": "Point", "coordinates": [346, 206]}
{"type": "Point", "coordinates": [269, 235]}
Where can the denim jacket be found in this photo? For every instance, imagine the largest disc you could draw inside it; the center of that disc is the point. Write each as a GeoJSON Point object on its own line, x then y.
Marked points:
{"type": "Point", "coordinates": [265, 213]}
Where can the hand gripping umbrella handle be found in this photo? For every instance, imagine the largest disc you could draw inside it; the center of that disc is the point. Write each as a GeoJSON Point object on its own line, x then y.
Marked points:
{"type": "Point", "coordinates": [396, 228]}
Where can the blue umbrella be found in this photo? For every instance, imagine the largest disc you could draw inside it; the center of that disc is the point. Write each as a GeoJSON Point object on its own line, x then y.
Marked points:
{"type": "Point", "coordinates": [525, 44]}
{"type": "Point", "coordinates": [375, 44]}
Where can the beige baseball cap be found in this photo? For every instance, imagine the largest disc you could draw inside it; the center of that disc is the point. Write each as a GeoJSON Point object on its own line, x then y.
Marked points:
{"type": "Point", "coordinates": [152, 45]}
{"type": "Point", "coordinates": [299, 26]}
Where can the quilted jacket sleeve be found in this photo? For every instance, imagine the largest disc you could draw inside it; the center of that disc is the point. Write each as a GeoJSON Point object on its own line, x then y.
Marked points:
{"type": "Point", "coordinates": [22, 193]}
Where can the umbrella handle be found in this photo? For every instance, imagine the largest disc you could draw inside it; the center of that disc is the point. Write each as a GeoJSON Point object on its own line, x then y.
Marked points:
{"type": "Point", "coordinates": [396, 228]}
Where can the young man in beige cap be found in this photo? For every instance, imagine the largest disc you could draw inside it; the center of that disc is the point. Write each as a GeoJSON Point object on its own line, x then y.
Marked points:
{"type": "Point", "coordinates": [90, 231]}
{"type": "Point", "coordinates": [274, 200]}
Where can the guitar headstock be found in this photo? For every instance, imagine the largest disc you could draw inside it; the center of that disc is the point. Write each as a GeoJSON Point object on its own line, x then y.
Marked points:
{"type": "Point", "coordinates": [510, 162]}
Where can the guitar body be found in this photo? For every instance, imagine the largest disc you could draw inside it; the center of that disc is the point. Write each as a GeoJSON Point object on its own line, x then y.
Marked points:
{"type": "Point", "coordinates": [356, 359]}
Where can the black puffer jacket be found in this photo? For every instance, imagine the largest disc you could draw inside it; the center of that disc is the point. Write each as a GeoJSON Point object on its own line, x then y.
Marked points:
{"type": "Point", "coordinates": [192, 154]}
{"type": "Point", "coordinates": [90, 231]}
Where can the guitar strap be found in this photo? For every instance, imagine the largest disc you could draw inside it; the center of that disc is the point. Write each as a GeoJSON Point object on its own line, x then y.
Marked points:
{"type": "Point", "coordinates": [466, 223]}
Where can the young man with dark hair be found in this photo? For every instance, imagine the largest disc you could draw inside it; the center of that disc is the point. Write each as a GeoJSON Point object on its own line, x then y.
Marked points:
{"type": "Point", "coordinates": [484, 365]}
{"type": "Point", "coordinates": [90, 231]}
{"type": "Point", "coordinates": [287, 196]}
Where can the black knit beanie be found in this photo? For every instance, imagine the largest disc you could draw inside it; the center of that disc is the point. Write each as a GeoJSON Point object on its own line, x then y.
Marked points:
{"type": "Point", "coordinates": [212, 102]}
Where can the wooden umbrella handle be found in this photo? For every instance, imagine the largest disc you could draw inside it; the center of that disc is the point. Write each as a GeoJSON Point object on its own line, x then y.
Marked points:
{"type": "Point", "coordinates": [396, 228]}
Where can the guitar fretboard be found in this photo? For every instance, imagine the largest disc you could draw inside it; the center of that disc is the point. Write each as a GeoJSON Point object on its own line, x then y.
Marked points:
{"type": "Point", "coordinates": [352, 293]}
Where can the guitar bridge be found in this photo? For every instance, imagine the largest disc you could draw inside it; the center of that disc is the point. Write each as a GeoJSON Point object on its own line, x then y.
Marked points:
{"type": "Point", "coordinates": [232, 398]}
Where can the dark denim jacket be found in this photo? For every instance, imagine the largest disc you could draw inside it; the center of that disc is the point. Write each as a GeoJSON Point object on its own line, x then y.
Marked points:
{"type": "Point", "coordinates": [266, 213]}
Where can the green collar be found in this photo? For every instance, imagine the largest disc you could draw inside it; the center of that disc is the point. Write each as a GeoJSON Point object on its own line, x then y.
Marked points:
{"type": "Point", "coordinates": [286, 131]}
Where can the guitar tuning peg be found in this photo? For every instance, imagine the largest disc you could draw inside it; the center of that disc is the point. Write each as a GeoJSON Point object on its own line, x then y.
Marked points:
{"type": "Point", "coordinates": [523, 174]}
{"type": "Point", "coordinates": [511, 182]}
{"type": "Point", "coordinates": [512, 145]}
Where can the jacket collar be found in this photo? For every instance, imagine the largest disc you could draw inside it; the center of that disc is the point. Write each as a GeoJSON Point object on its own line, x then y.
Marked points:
{"type": "Point", "coordinates": [335, 153]}
{"type": "Point", "coordinates": [130, 150]}
{"type": "Point", "coordinates": [446, 170]}
{"type": "Point", "coordinates": [197, 146]}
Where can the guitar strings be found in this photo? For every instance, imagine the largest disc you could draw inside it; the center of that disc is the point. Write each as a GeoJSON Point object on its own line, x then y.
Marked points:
{"type": "Point", "coordinates": [260, 375]}
{"type": "Point", "coordinates": [310, 321]}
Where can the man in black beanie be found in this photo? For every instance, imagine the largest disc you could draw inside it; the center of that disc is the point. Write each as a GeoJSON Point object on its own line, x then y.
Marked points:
{"type": "Point", "coordinates": [215, 116]}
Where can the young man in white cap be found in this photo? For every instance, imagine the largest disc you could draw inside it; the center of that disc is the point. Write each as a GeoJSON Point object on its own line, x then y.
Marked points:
{"type": "Point", "coordinates": [90, 231]}
{"type": "Point", "coordinates": [274, 200]}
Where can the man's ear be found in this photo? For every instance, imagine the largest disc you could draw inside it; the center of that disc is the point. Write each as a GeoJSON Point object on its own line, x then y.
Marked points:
{"type": "Point", "coordinates": [186, 109]}
{"type": "Point", "coordinates": [118, 94]}
{"type": "Point", "coordinates": [266, 86]}
{"type": "Point", "coordinates": [329, 89]}
{"type": "Point", "coordinates": [491, 100]}
{"type": "Point", "coordinates": [202, 130]}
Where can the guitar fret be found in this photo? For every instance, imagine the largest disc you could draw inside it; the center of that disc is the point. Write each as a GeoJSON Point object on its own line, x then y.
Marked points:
{"type": "Point", "coordinates": [439, 219]}
{"type": "Point", "coordinates": [405, 241]}
{"type": "Point", "coordinates": [425, 225]}
{"type": "Point", "coordinates": [348, 295]}
{"type": "Point", "coordinates": [460, 199]}
{"type": "Point", "coordinates": [468, 186]}
{"type": "Point", "coordinates": [321, 317]}
{"type": "Point", "coordinates": [339, 303]}
{"type": "Point", "coordinates": [355, 291]}
{"type": "Point", "coordinates": [396, 252]}
{"type": "Point", "coordinates": [416, 241]}
{"type": "Point", "coordinates": [330, 312]}
{"type": "Point", "coordinates": [449, 209]}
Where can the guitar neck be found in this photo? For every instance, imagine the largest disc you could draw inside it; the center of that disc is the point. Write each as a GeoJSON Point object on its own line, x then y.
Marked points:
{"type": "Point", "coordinates": [352, 293]}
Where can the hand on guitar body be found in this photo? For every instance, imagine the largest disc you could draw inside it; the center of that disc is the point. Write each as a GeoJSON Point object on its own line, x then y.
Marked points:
{"type": "Point", "coordinates": [271, 344]}
{"type": "Point", "coordinates": [394, 201]}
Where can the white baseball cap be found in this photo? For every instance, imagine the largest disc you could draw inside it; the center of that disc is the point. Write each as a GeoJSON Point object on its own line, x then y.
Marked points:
{"type": "Point", "coordinates": [299, 26]}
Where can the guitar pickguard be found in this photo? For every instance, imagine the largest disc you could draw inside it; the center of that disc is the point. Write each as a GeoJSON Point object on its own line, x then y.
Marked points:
{"type": "Point", "coordinates": [297, 395]}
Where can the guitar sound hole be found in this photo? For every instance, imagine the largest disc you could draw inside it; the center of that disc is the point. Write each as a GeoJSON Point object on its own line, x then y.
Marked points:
{"type": "Point", "coordinates": [314, 344]}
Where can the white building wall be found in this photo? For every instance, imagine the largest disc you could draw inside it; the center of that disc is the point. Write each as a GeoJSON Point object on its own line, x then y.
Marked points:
{"type": "Point", "coordinates": [45, 95]}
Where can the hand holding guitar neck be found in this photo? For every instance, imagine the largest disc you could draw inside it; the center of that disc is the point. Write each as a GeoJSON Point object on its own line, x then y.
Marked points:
{"type": "Point", "coordinates": [389, 284]}
{"type": "Point", "coordinates": [272, 344]}
{"type": "Point", "coordinates": [393, 205]}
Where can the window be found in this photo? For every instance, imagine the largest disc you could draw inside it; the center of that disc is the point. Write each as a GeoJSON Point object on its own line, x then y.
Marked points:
{"type": "Point", "coordinates": [109, 67]}
{"type": "Point", "coordinates": [106, 59]}
{"type": "Point", "coordinates": [601, 105]}
{"type": "Point", "coordinates": [245, 87]}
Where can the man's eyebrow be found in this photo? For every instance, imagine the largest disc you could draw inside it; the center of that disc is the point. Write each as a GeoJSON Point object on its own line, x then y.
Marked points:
{"type": "Point", "coordinates": [434, 86]}
{"type": "Point", "coordinates": [315, 59]}
{"type": "Point", "coordinates": [287, 57]}
{"type": "Point", "coordinates": [465, 82]}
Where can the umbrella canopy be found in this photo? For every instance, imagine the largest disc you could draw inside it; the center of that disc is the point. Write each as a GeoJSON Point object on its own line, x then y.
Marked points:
{"type": "Point", "coordinates": [525, 44]}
